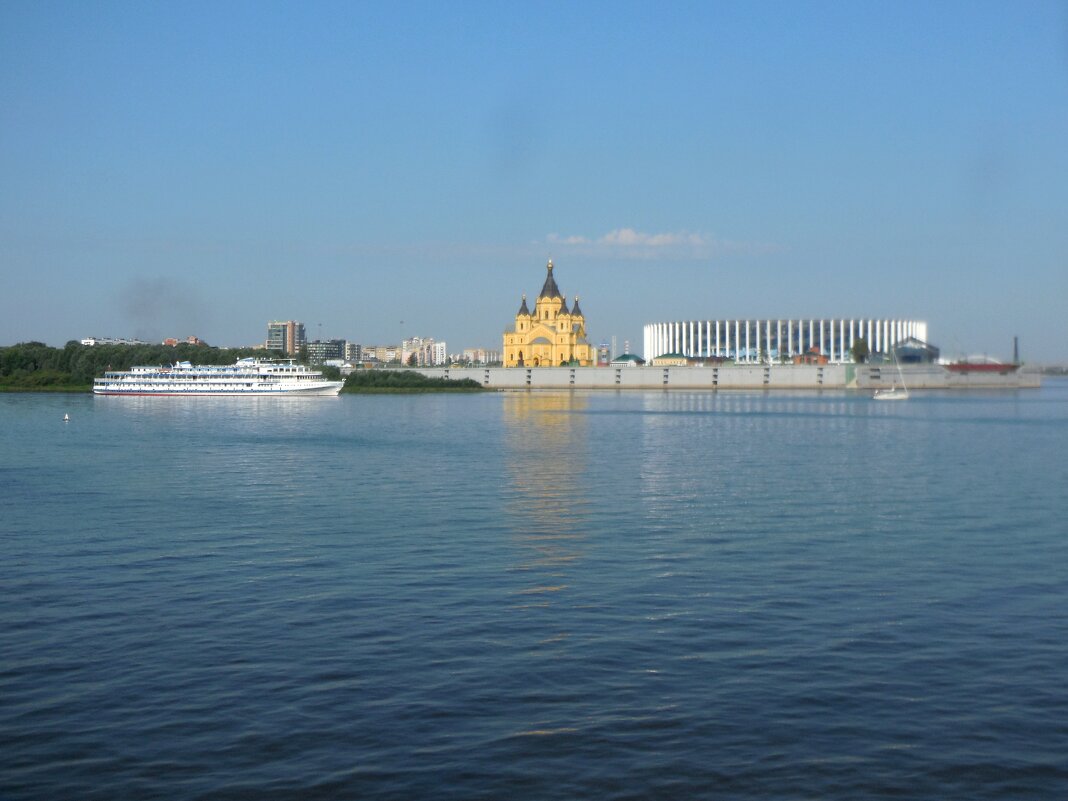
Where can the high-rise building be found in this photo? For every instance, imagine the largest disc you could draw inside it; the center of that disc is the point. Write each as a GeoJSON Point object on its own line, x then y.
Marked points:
{"type": "Point", "coordinates": [439, 353]}
{"type": "Point", "coordinates": [321, 350]}
{"type": "Point", "coordinates": [425, 350]}
{"type": "Point", "coordinates": [286, 336]}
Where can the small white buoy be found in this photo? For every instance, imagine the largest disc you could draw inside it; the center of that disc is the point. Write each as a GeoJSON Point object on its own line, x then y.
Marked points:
{"type": "Point", "coordinates": [66, 417]}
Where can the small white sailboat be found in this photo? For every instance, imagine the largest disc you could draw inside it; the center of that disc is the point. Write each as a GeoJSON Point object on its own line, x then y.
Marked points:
{"type": "Point", "coordinates": [895, 392]}
{"type": "Point", "coordinates": [66, 417]}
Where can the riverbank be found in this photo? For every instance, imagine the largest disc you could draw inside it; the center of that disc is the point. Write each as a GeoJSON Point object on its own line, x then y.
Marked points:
{"type": "Point", "coordinates": [57, 388]}
{"type": "Point", "coordinates": [394, 382]}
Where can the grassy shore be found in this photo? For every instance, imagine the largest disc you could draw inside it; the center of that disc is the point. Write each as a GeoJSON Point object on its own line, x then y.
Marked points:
{"type": "Point", "coordinates": [68, 388]}
{"type": "Point", "coordinates": [381, 382]}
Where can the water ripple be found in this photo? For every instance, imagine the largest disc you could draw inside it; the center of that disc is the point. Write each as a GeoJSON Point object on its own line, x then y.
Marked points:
{"type": "Point", "coordinates": [583, 595]}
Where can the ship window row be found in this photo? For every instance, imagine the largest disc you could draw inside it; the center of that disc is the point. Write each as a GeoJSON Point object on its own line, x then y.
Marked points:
{"type": "Point", "coordinates": [185, 379]}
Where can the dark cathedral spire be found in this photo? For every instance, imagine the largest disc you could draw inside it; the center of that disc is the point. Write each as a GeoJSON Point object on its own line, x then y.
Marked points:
{"type": "Point", "coordinates": [550, 289]}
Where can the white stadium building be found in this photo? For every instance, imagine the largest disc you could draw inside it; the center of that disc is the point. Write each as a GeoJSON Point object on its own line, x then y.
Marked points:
{"type": "Point", "coordinates": [757, 341]}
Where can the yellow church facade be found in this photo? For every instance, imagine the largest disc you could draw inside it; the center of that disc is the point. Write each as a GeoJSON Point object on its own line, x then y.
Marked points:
{"type": "Point", "coordinates": [551, 335]}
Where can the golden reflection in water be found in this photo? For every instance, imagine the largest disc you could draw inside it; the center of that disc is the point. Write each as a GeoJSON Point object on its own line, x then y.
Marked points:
{"type": "Point", "coordinates": [547, 459]}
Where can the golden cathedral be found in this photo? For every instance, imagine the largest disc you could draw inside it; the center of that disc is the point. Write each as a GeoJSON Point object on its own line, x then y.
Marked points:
{"type": "Point", "coordinates": [552, 335]}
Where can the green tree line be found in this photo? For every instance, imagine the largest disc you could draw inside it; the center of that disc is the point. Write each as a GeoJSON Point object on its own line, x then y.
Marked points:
{"type": "Point", "coordinates": [34, 365]}
{"type": "Point", "coordinates": [405, 381]}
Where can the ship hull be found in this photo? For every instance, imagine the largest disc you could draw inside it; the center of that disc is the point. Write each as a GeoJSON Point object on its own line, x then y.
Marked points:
{"type": "Point", "coordinates": [247, 378]}
{"type": "Point", "coordinates": [207, 393]}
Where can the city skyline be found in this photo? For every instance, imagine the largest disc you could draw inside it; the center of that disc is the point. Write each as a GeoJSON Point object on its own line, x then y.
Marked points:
{"type": "Point", "coordinates": [385, 171]}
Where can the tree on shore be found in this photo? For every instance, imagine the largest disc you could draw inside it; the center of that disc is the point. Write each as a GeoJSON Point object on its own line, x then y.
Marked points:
{"type": "Point", "coordinates": [404, 381]}
{"type": "Point", "coordinates": [74, 366]}
{"type": "Point", "coordinates": [860, 351]}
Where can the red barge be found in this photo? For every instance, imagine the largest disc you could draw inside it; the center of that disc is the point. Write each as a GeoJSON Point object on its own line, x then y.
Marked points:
{"type": "Point", "coordinates": [981, 367]}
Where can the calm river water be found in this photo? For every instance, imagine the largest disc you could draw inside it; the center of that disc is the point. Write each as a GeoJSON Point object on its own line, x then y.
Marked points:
{"type": "Point", "coordinates": [535, 596]}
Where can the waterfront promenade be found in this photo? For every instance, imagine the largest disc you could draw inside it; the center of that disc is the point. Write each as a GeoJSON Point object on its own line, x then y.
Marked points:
{"type": "Point", "coordinates": [865, 377]}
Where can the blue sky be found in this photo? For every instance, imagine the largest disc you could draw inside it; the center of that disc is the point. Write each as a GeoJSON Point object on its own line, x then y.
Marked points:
{"type": "Point", "coordinates": [186, 168]}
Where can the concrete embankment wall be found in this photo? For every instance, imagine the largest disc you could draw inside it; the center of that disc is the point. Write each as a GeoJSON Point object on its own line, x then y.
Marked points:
{"type": "Point", "coordinates": [755, 376]}
{"type": "Point", "coordinates": [934, 376]}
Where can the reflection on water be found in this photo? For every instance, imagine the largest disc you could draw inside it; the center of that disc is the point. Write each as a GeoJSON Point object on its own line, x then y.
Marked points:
{"type": "Point", "coordinates": [611, 595]}
{"type": "Point", "coordinates": [699, 443]}
{"type": "Point", "coordinates": [255, 409]}
{"type": "Point", "coordinates": [254, 449]}
{"type": "Point", "coordinates": [547, 456]}
{"type": "Point", "coordinates": [724, 402]}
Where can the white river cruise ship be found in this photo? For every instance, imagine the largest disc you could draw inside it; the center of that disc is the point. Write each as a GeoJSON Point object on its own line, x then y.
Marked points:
{"type": "Point", "coordinates": [246, 377]}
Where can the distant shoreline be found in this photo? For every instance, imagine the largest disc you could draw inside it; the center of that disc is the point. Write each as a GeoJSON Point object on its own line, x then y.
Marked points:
{"type": "Point", "coordinates": [49, 390]}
